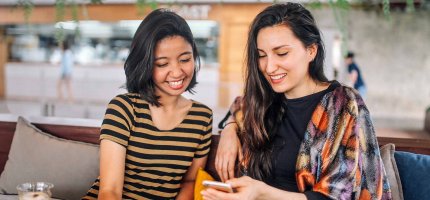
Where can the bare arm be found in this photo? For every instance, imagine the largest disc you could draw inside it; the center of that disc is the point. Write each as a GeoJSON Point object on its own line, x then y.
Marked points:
{"type": "Point", "coordinates": [187, 185]}
{"type": "Point", "coordinates": [229, 147]}
{"type": "Point", "coordinates": [248, 188]}
{"type": "Point", "coordinates": [112, 166]}
{"type": "Point", "coordinates": [227, 153]}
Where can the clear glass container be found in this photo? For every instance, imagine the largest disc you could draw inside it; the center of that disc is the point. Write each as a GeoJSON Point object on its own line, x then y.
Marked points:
{"type": "Point", "coordinates": [35, 191]}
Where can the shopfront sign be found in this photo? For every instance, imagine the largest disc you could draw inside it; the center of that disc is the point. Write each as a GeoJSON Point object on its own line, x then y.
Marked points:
{"type": "Point", "coordinates": [192, 11]}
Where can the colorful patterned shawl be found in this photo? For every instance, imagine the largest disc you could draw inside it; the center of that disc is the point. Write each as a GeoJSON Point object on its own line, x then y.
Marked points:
{"type": "Point", "coordinates": [339, 156]}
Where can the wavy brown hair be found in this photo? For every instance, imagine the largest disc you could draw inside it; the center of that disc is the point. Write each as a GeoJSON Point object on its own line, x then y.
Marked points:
{"type": "Point", "coordinates": [262, 105]}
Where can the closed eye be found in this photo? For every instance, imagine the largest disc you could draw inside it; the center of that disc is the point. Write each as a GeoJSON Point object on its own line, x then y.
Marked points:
{"type": "Point", "coordinates": [282, 54]}
{"type": "Point", "coordinates": [161, 64]}
{"type": "Point", "coordinates": [185, 60]}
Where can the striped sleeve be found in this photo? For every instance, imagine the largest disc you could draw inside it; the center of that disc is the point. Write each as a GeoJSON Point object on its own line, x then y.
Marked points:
{"type": "Point", "coordinates": [205, 142]}
{"type": "Point", "coordinates": [117, 121]}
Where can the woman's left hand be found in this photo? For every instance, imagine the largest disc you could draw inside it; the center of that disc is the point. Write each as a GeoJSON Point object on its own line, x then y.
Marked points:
{"type": "Point", "coordinates": [245, 188]}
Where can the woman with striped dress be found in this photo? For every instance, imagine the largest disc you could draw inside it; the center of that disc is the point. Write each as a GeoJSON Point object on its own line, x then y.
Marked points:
{"type": "Point", "coordinates": [153, 139]}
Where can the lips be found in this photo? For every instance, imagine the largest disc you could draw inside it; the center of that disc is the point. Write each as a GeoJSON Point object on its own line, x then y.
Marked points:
{"type": "Point", "coordinates": [277, 78]}
{"type": "Point", "coordinates": [176, 85]}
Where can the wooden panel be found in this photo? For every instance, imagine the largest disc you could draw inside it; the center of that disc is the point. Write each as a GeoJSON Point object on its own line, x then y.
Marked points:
{"type": "Point", "coordinates": [6, 135]}
{"type": "Point", "coordinates": [77, 133]}
{"type": "Point", "coordinates": [420, 146]}
{"type": "Point", "coordinates": [3, 60]}
{"type": "Point", "coordinates": [115, 12]}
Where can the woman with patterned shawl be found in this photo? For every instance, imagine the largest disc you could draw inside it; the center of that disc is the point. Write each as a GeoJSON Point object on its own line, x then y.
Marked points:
{"type": "Point", "coordinates": [296, 135]}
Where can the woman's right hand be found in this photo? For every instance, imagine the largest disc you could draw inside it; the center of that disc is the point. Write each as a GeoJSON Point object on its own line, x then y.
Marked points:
{"type": "Point", "coordinates": [228, 151]}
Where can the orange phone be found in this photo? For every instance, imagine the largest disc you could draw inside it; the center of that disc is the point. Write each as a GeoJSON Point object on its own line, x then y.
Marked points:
{"type": "Point", "coordinates": [225, 187]}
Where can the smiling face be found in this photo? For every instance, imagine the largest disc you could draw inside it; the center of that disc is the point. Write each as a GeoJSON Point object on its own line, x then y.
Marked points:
{"type": "Point", "coordinates": [284, 61]}
{"type": "Point", "coordinates": [173, 66]}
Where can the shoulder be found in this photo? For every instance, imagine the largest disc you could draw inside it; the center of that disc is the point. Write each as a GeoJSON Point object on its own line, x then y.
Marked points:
{"type": "Point", "coordinates": [129, 100]}
{"type": "Point", "coordinates": [201, 110]}
{"type": "Point", "coordinates": [201, 106]}
{"type": "Point", "coordinates": [343, 97]}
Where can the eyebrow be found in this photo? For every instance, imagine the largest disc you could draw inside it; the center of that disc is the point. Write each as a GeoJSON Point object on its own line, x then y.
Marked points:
{"type": "Point", "coordinates": [277, 47]}
{"type": "Point", "coordinates": [185, 53]}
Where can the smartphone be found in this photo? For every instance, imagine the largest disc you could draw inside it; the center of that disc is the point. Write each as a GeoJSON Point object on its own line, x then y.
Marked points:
{"type": "Point", "coordinates": [225, 187]}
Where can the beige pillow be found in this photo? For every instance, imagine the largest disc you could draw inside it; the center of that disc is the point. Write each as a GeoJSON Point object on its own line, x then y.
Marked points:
{"type": "Point", "coordinates": [37, 156]}
{"type": "Point", "coordinates": [387, 155]}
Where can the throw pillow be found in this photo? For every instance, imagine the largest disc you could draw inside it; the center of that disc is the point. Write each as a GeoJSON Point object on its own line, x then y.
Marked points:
{"type": "Point", "coordinates": [198, 185]}
{"type": "Point", "coordinates": [37, 156]}
{"type": "Point", "coordinates": [414, 174]}
{"type": "Point", "coordinates": [387, 155]}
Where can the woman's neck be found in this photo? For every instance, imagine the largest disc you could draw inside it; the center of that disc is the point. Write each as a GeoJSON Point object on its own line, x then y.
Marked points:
{"type": "Point", "coordinates": [309, 87]}
{"type": "Point", "coordinates": [172, 102]}
{"type": "Point", "coordinates": [172, 112]}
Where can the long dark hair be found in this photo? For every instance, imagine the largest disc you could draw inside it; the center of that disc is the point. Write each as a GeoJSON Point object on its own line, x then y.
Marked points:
{"type": "Point", "coordinates": [262, 105]}
{"type": "Point", "coordinates": [159, 24]}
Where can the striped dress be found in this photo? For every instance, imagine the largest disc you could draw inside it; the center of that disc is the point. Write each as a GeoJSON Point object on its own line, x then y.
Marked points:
{"type": "Point", "coordinates": [156, 160]}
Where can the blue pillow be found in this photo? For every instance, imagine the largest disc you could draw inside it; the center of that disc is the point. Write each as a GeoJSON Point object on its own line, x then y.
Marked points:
{"type": "Point", "coordinates": [414, 171]}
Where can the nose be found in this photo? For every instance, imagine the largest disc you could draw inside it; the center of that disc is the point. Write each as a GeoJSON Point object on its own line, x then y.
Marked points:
{"type": "Point", "coordinates": [176, 71]}
{"type": "Point", "coordinates": [272, 65]}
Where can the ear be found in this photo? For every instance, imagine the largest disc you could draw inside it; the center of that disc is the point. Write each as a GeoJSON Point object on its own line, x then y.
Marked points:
{"type": "Point", "coordinates": [312, 51]}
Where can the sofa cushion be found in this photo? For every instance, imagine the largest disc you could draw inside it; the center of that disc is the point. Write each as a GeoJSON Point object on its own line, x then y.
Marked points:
{"type": "Point", "coordinates": [37, 156]}
{"type": "Point", "coordinates": [387, 155]}
{"type": "Point", "coordinates": [414, 174]}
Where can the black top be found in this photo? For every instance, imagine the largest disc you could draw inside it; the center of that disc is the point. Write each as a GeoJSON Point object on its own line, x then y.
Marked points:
{"type": "Point", "coordinates": [359, 82]}
{"type": "Point", "coordinates": [288, 139]}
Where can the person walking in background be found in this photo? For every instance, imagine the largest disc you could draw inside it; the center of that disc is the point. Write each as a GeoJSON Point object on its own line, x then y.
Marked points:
{"type": "Point", "coordinates": [355, 75]}
{"type": "Point", "coordinates": [296, 134]}
{"type": "Point", "coordinates": [153, 139]}
{"type": "Point", "coordinates": [66, 64]}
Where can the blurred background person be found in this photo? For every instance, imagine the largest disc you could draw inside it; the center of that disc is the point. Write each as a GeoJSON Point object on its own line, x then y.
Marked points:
{"type": "Point", "coordinates": [66, 64]}
{"type": "Point", "coordinates": [355, 75]}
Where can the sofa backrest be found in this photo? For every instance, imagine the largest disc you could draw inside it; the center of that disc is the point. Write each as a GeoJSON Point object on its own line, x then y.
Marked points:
{"type": "Point", "coordinates": [69, 130]}
{"type": "Point", "coordinates": [60, 128]}
{"type": "Point", "coordinates": [88, 131]}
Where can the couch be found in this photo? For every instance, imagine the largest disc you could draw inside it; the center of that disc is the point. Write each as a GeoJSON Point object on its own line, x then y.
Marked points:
{"type": "Point", "coordinates": [65, 153]}
{"type": "Point", "coordinates": [62, 151]}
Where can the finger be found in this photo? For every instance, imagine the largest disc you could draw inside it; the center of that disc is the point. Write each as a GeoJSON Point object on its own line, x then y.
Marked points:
{"type": "Point", "coordinates": [231, 166]}
{"type": "Point", "coordinates": [239, 182]}
{"type": "Point", "coordinates": [216, 194]}
{"type": "Point", "coordinates": [207, 195]}
{"type": "Point", "coordinates": [225, 169]}
{"type": "Point", "coordinates": [218, 165]}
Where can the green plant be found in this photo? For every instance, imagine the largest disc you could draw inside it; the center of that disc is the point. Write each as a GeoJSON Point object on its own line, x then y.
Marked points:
{"type": "Point", "coordinates": [59, 17]}
{"type": "Point", "coordinates": [340, 10]}
{"type": "Point", "coordinates": [75, 17]}
{"type": "Point", "coordinates": [27, 6]}
{"type": "Point", "coordinates": [142, 4]}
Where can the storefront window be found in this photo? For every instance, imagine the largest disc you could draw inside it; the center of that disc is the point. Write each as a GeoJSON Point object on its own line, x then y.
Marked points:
{"type": "Point", "coordinates": [95, 42]}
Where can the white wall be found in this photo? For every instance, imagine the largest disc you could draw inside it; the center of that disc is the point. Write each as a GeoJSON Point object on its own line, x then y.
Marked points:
{"type": "Point", "coordinates": [394, 57]}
